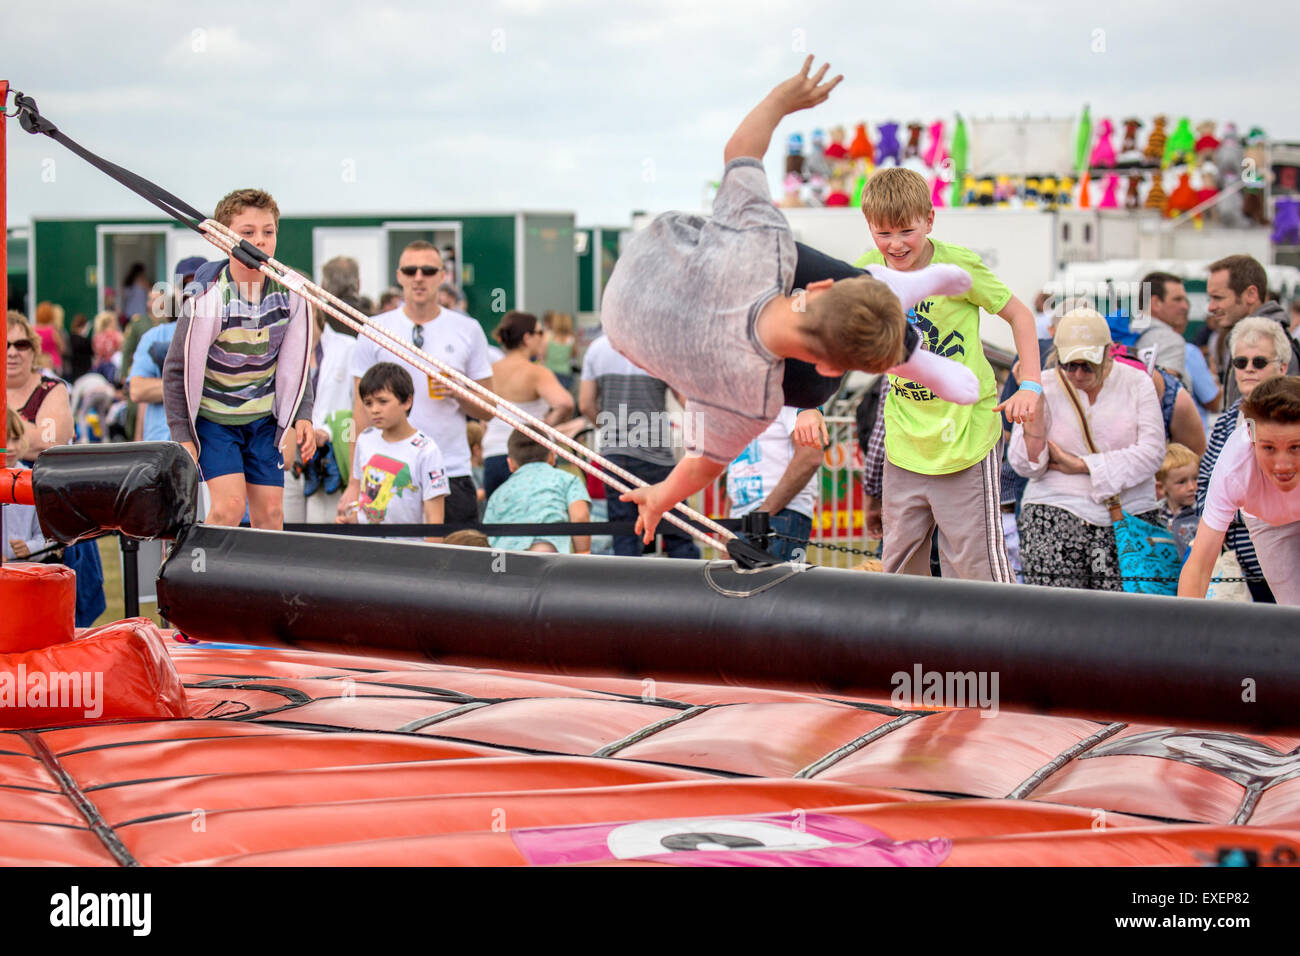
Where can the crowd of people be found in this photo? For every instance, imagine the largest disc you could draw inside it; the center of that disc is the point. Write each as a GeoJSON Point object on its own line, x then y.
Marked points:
{"type": "Point", "coordinates": [1117, 455]}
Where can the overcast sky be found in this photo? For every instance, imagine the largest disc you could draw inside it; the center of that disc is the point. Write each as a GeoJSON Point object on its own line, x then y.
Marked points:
{"type": "Point", "coordinates": [593, 107]}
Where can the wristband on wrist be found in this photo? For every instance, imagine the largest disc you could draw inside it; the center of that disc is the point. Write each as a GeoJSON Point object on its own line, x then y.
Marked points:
{"type": "Point", "coordinates": [1032, 387]}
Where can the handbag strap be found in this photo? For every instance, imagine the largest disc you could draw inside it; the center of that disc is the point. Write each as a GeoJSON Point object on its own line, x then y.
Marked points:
{"type": "Point", "coordinates": [1116, 512]}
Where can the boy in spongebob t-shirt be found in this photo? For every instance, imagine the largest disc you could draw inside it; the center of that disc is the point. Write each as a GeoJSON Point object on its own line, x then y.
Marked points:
{"type": "Point", "coordinates": [942, 463]}
{"type": "Point", "coordinates": [397, 471]}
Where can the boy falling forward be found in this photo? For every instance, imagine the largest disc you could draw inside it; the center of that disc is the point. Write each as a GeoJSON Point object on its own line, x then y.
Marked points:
{"type": "Point", "coordinates": [942, 466]}
{"type": "Point", "coordinates": [397, 472]}
{"type": "Point", "coordinates": [705, 305]}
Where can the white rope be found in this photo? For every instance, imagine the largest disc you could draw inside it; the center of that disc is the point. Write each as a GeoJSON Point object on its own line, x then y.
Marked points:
{"type": "Point", "coordinates": [547, 436]}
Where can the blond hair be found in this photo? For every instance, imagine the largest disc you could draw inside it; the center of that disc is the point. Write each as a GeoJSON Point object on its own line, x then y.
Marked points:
{"type": "Point", "coordinates": [895, 197]}
{"type": "Point", "coordinates": [560, 323]}
{"type": "Point", "coordinates": [18, 320]}
{"type": "Point", "coordinates": [474, 432]}
{"type": "Point", "coordinates": [1176, 456]}
{"type": "Point", "coordinates": [14, 427]}
{"type": "Point", "coordinates": [467, 538]}
{"type": "Point", "coordinates": [105, 321]}
{"type": "Point", "coordinates": [233, 203]}
{"type": "Point", "coordinates": [855, 324]}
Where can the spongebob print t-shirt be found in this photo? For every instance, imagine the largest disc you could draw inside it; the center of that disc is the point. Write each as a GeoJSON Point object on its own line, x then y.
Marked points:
{"type": "Point", "coordinates": [397, 478]}
{"type": "Point", "coordinates": [924, 433]}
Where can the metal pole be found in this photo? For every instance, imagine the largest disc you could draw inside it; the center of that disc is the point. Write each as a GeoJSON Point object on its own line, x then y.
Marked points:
{"type": "Point", "coordinates": [130, 576]}
{"type": "Point", "coordinates": [4, 277]}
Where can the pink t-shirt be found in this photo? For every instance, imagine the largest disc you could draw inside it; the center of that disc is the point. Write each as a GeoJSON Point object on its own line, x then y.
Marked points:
{"type": "Point", "coordinates": [50, 344]}
{"type": "Point", "coordinates": [1237, 483]}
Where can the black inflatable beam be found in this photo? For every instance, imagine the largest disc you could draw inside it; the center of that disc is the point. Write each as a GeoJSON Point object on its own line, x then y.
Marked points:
{"type": "Point", "coordinates": [143, 489]}
{"type": "Point", "coordinates": [1066, 652]}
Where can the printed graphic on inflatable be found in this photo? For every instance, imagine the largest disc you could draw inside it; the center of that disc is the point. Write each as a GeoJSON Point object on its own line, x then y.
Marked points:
{"type": "Point", "coordinates": [769, 839]}
{"type": "Point", "coordinates": [382, 480]}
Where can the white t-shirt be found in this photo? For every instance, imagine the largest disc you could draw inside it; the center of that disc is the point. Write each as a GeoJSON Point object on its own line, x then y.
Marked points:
{"type": "Point", "coordinates": [497, 434]}
{"type": "Point", "coordinates": [334, 381]}
{"type": "Point", "coordinates": [758, 469]}
{"type": "Point", "coordinates": [452, 338]}
{"type": "Point", "coordinates": [20, 522]}
{"type": "Point", "coordinates": [397, 478]}
{"type": "Point", "coordinates": [1237, 483]}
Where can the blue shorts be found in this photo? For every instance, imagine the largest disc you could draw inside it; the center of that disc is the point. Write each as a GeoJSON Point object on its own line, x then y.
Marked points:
{"type": "Point", "coordinates": [240, 449]}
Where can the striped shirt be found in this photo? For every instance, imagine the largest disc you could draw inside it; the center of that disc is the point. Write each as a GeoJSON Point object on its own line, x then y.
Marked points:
{"type": "Point", "coordinates": [1236, 537]}
{"type": "Point", "coordinates": [633, 420]}
{"type": "Point", "coordinates": [239, 381]}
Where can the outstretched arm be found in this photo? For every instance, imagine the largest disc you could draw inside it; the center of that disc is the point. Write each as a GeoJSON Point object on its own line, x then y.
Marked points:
{"type": "Point", "coordinates": [800, 92]}
{"type": "Point", "coordinates": [687, 477]}
{"type": "Point", "coordinates": [1194, 580]}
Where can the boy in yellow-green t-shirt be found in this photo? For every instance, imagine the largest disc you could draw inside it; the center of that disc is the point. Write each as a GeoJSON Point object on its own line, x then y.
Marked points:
{"type": "Point", "coordinates": [942, 462]}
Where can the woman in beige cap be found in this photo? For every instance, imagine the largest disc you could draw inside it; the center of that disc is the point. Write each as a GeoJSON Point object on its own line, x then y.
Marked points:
{"type": "Point", "coordinates": [1066, 539]}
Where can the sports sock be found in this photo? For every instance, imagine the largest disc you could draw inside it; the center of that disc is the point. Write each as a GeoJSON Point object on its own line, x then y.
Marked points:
{"type": "Point", "coordinates": [951, 381]}
{"type": "Point", "coordinates": [913, 287]}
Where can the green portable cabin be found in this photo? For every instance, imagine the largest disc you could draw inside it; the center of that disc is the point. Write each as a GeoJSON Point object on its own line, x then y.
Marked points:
{"type": "Point", "coordinates": [503, 261]}
{"type": "Point", "coordinates": [597, 250]}
{"type": "Point", "coordinates": [16, 269]}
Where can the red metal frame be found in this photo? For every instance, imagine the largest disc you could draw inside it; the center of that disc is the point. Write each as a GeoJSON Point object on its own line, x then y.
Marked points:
{"type": "Point", "coordinates": [4, 265]}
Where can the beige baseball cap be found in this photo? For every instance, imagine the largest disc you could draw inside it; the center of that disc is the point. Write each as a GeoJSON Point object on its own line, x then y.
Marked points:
{"type": "Point", "coordinates": [1082, 335]}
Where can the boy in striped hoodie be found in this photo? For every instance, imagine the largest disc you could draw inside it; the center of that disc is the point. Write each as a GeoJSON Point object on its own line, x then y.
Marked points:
{"type": "Point", "coordinates": [236, 375]}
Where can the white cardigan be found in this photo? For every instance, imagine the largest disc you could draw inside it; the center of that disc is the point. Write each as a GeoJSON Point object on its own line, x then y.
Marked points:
{"type": "Point", "coordinates": [1129, 431]}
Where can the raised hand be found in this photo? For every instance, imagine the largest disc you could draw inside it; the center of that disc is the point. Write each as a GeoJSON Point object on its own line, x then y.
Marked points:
{"type": "Point", "coordinates": [803, 91]}
{"type": "Point", "coordinates": [800, 92]}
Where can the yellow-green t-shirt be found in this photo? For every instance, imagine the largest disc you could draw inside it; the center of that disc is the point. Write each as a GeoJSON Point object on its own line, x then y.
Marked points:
{"type": "Point", "coordinates": [924, 433]}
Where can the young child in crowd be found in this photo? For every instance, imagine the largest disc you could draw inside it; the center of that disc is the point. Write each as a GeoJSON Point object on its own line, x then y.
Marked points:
{"type": "Point", "coordinates": [397, 473]}
{"type": "Point", "coordinates": [107, 344]}
{"type": "Point", "coordinates": [474, 432]}
{"type": "Point", "coordinates": [237, 373]}
{"type": "Point", "coordinates": [706, 306]}
{"type": "Point", "coordinates": [22, 529]}
{"type": "Point", "coordinates": [942, 464]}
{"type": "Point", "coordinates": [1176, 483]}
{"type": "Point", "coordinates": [467, 538]}
{"type": "Point", "coordinates": [561, 346]}
{"type": "Point", "coordinates": [1258, 473]}
{"type": "Point", "coordinates": [538, 493]}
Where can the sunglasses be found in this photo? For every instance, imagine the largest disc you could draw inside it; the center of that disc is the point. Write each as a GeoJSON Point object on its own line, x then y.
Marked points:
{"type": "Point", "coordinates": [22, 345]}
{"type": "Point", "coordinates": [1255, 361]}
{"type": "Point", "coordinates": [423, 270]}
{"type": "Point", "coordinates": [1078, 366]}
{"type": "Point", "coordinates": [417, 336]}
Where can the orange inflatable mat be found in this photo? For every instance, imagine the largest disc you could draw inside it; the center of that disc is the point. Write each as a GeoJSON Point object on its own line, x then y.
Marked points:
{"type": "Point", "coordinates": [301, 758]}
{"type": "Point", "coordinates": [39, 601]}
{"type": "Point", "coordinates": [118, 671]}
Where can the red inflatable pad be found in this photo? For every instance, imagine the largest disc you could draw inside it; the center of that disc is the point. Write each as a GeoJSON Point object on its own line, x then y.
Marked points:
{"type": "Point", "coordinates": [118, 671]}
{"type": "Point", "coordinates": [37, 602]}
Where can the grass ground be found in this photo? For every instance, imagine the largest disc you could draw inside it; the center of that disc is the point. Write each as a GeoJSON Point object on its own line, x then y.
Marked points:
{"type": "Point", "coordinates": [109, 556]}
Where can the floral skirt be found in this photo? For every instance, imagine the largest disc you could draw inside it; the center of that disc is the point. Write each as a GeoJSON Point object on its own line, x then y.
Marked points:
{"type": "Point", "coordinates": [1059, 549]}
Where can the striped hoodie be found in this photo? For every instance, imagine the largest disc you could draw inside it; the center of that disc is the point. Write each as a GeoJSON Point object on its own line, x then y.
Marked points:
{"type": "Point", "coordinates": [234, 362]}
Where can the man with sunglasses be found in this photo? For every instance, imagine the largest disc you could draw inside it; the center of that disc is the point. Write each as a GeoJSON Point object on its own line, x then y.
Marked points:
{"type": "Point", "coordinates": [453, 339]}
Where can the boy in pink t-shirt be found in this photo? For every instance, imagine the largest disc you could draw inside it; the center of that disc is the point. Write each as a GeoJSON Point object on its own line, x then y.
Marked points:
{"type": "Point", "coordinates": [1258, 473]}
